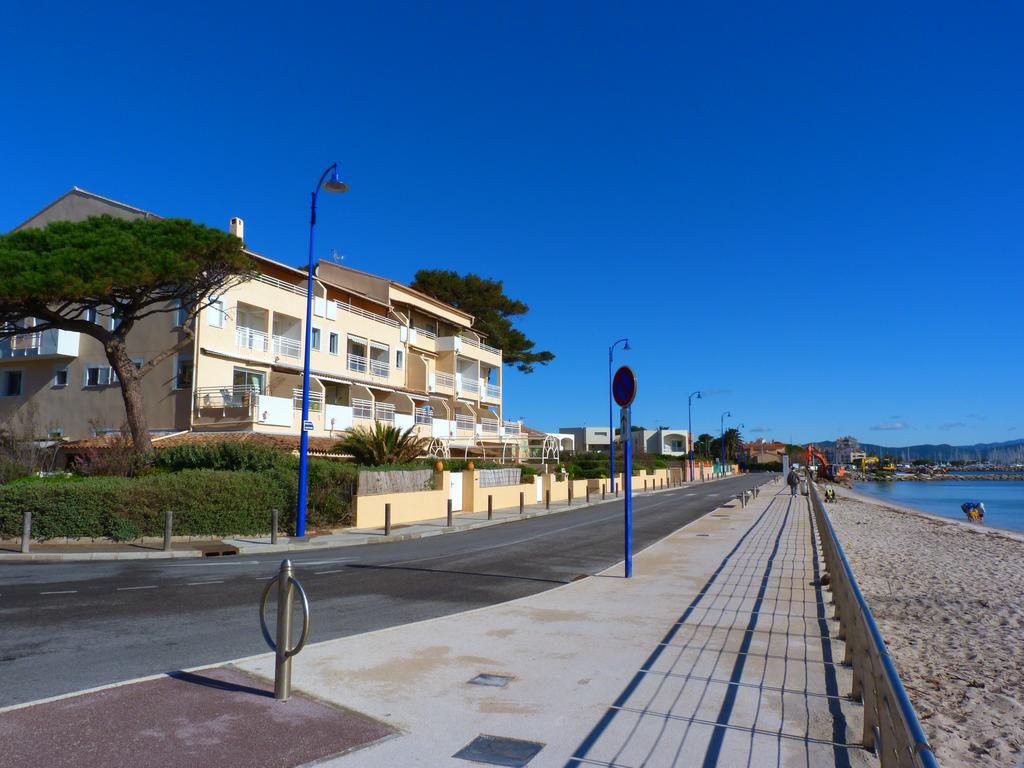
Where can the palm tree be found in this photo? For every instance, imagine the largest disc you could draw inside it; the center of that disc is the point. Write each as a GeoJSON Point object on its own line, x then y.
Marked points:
{"type": "Point", "coordinates": [383, 444]}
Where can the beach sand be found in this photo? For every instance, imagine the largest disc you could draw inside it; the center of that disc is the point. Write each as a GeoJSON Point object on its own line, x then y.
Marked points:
{"type": "Point", "coordinates": [949, 600]}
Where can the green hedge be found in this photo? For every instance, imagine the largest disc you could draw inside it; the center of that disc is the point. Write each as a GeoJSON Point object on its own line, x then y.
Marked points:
{"type": "Point", "coordinates": [205, 503]}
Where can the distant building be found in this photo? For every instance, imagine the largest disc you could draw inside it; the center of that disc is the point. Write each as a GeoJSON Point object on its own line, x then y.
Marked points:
{"type": "Point", "coordinates": [671, 442]}
{"type": "Point", "coordinates": [763, 451]}
{"type": "Point", "coordinates": [845, 449]}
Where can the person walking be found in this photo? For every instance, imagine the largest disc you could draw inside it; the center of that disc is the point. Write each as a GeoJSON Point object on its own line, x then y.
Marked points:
{"type": "Point", "coordinates": [793, 480]}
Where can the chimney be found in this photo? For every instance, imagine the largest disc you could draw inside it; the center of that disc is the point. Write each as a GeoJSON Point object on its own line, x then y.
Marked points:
{"type": "Point", "coordinates": [237, 228]}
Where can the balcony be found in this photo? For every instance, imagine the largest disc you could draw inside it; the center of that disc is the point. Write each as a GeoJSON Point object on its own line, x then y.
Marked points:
{"type": "Point", "coordinates": [464, 423]}
{"type": "Point", "coordinates": [360, 364]}
{"type": "Point", "coordinates": [442, 382]}
{"type": "Point", "coordinates": [384, 412]}
{"type": "Point", "coordinates": [423, 416]}
{"type": "Point", "coordinates": [52, 343]}
{"type": "Point", "coordinates": [316, 400]}
{"type": "Point", "coordinates": [468, 384]}
{"type": "Point", "coordinates": [488, 426]}
{"type": "Point", "coordinates": [511, 428]}
{"type": "Point", "coordinates": [470, 341]}
{"type": "Point", "coordinates": [362, 409]}
{"type": "Point", "coordinates": [492, 392]}
{"type": "Point", "coordinates": [287, 347]}
{"type": "Point", "coordinates": [251, 339]}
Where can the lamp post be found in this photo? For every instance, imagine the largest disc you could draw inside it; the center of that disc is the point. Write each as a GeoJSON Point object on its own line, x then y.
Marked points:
{"type": "Point", "coordinates": [611, 424]}
{"type": "Point", "coordinates": [332, 184]}
{"type": "Point", "coordinates": [721, 438]}
{"type": "Point", "coordinates": [739, 456]}
{"type": "Point", "coordinates": [689, 427]}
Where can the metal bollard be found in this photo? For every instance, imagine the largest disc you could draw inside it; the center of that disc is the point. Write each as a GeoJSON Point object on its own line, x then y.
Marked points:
{"type": "Point", "coordinates": [547, 499]}
{"type": "Point", "coordinates": [522, 502]}
{"type": "Point", "coordinates": [568, 502]}
{"type": "Point", "coordinates": [449, 513]}
{"type": "Point", "coordinates": [275, 518]}
{"type": "Point", "coordinates": [283, 662]}
{"type": "Point", "coordinates": [588, 493]}
{"type": "Point", "coordinates": [645, 486]}
{"type": "Point", "coordinates": [490, 507]}
{"type": "Point", "coordinates": [663, 483]}
{"type": "Point", "coordinates": [26, 531]}
{"type": "Point", "coordinates": [168, 522]}
{"type": "Point", "coordinates": [387, 519]}
{"type": "Point", "coordinates": [602, 491]}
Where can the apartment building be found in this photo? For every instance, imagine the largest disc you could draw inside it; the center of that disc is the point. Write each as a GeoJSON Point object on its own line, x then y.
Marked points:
{"type": "Point", "coordinates": [381, 351]}
{"type": "Point", "coordinates": [664, 440]}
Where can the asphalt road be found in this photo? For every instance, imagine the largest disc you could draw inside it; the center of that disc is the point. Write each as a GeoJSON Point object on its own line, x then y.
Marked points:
{"type": "Point", "coordinates": [69, 626]}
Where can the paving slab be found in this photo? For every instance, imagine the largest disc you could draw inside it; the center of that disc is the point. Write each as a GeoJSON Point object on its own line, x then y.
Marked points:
{"type": "Point", "coordinates": [219, 717]}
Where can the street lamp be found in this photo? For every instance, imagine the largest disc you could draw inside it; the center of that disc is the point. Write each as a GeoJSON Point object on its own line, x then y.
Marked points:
{"type": "Point", "coordinates": [739, 455]}
{"type": "Point", "coordinates": [328, 180]}
{"type": "Point", "coordinates": [721, 438]}
{"type": "Point", "coordinates": [611, 424]}
{"type": "Point", "coordinates": [689, 426]}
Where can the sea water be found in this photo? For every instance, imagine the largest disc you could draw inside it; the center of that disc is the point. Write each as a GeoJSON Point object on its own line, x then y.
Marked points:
{"type": "Point", "coordinates": [1003, 499]}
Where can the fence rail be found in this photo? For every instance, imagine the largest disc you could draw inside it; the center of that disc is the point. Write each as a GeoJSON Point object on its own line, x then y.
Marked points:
{"type": "Point", "coordinates": [391, 322]}
{"type": "Point", "coordinates": [362, 409]}
{"type": "Point", "coordinates": [891, 728]}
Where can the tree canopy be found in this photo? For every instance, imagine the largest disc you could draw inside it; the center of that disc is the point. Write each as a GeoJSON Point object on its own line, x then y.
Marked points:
{"type": "Point", "coordinates": [102, 275]}
{"type": "Point", "coordinates": [485, 299]}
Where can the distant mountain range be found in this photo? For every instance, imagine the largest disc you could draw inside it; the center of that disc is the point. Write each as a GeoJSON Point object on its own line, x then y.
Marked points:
{"type": "Point", "coordinates": [1010, 451]}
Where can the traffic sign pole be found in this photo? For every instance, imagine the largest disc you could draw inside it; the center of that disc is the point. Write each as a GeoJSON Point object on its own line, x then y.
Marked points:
{"type": "Point", "coordinates": [624, 391]}
{"type": "Point", "coordinates": [627, 484]}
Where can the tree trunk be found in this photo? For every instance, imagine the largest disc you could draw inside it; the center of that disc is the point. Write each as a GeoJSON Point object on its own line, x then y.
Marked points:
{"type": "Point", "coordinates": [131, 392]}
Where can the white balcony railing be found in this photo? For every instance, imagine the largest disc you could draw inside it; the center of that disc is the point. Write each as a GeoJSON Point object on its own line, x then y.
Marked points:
{"type": "Point", "coordinates": [358, 363]}
{"type": "Point", "coordinates": [480, 345]}
{"type": "Point", "coordinates": [470, 384]}
{"type": "Point", "coordinates": [512, 427]}
{"type": "Point", "coordinates": [298, 290]}
{"type": "Point", "coordinates": [379, 368]}
{"type": "Point", "coordinates": [492, 391]}
{"type": "Point", "coordinates": [464, 422]}
{"type": "Point", "coordinates": [489, 426]}
{"type": "Point", "coordinates": [316, 400]}
{"type": "Point", "coordinates": [362, 409]}
{"type": "Point", "coordinates": [285, 347]}
{"type": "Point", "coordinates": [425, 332]}
{"type": "Point", "coordinates": [390, 322]}
{"type": "Point", "coordinates": [385, 412]}
{"type": "Point", "coordinates": [424, 416]}
{"type": "Point", "coordinates": [442, 379]}
{"type": "Point", "coordinates": [250, 338]}
{"type": "Point", "coordinates": [26, 342]}
{"type": "Point", "coordinates": [240, 396]}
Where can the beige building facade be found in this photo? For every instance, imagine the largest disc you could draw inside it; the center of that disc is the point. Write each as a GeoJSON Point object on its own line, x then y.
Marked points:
{"type": "Point", "coordinates": [381, 352]}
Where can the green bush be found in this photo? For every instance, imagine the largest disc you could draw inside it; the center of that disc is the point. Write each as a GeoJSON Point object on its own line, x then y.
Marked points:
{"type": "Point", "coordinates": [204, 502]}
{"type": "Point", "coordinates": [227, 455]}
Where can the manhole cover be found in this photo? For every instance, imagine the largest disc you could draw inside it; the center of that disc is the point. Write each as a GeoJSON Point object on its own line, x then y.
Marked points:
{"type": "Point", "coordinates": [500, 750]}
{"type": "Point", "coordinates": [496, 681]}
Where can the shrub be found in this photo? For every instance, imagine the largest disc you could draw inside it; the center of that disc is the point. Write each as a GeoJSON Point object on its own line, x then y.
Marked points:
{"type": "Point", "coordinates": [227, 455]}
{"type": "Point", "coordinates": [205, 503]}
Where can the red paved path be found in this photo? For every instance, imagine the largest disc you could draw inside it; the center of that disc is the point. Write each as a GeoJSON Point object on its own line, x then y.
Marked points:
{"type": "Point", "coordinates": [220, 717]}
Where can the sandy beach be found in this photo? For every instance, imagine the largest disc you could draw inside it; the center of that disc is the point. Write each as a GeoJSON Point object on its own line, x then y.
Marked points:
{"type": "Point", "coordinates": [949, 599]}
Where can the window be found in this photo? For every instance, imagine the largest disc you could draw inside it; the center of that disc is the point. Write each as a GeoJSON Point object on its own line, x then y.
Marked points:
{"type": "Point", "coordinates": [245, 377]}
{"type": "Point", "coordinates": [183, 374]}
{"type": "Point", "coordinates": [399, 358]}
{"type": "Point", "coordinates": [316, 338]}
{"type": "Point", "coordinates": [11, 384]}
{"type": "Point", "coordinates": [332, 343]}
{"type": "Point", "coordinates": [99, 376]}
{"type": "Point", "coordinates": [90, 315]}
{"type": "Point", "coordinates": [60, 377]}
{"type": "Point", "coordinates": [181, 315]}
{"type": "Point", "coordinates": [215, 313]}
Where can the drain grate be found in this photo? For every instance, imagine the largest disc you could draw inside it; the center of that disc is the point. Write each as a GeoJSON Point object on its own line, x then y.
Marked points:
{"type": "Point", "coordinates": [495, 681]}
{"type": "Point", "coordinates": [500, 750]}
{"type": "Point", "coordinates": [704, 535]}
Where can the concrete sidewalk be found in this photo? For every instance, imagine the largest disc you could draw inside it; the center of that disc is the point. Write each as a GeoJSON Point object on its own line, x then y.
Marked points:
{"type": "Point", "coordinates": [719, 652]}
{"type": "Point", "coordinates": [252, 545]}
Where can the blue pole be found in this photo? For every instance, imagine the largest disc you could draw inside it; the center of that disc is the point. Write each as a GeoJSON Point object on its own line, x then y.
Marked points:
{"type": "Point", "coordinates": [721, 439]}
{"type": "Point", "coordinates": [627, 481]}
{"type": "Point", "coordinates": [689, 427]}
{"type": "Point", "coordinates": [300, 511]}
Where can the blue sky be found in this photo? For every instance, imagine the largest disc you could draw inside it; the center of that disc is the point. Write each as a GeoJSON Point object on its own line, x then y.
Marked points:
{"type": "Point", "coordinates": [813, 211]}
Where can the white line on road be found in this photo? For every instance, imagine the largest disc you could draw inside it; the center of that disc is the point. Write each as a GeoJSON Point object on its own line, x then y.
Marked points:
{"type": "Point", "coordinates": [336, 570]}
{"type": "Point", "coordinates": [200, 583]}
{"type": "Point", "coordinates": [61, 592]}
{"type": "Point", "coordinates": [218, 563]}
{"type": "Point", "coordinates": [323, 562]}
{"type": "Point", "coordinates": [129, 589]}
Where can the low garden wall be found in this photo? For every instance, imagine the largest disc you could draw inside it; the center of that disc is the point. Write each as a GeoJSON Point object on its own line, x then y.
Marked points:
{"type": "Point", "coordinates": [405, 507]}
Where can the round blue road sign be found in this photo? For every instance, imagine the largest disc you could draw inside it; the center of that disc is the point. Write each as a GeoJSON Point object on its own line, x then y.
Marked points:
{"type": "Point", "coordinates": [624, 386]}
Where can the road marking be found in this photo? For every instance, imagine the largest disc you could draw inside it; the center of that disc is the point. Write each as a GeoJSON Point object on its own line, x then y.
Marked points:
{"type": "Point", "coordinates": [61, 592]}
{"type": "Point", "coordinates": [200, 583]}
{"type": "Point", "coordinates": [129, 589]}
{"type": "Point", "coordinates": [691, 494]}
{"type": "Point", "coordinates": [323, 562]}
{"type": "Point", "coordinates": [336, 570]}
{"type": "Point", "coordinates": [218, 563]}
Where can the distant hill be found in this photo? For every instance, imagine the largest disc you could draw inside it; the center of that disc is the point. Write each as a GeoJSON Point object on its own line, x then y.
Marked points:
{"type": "Point", "coordinates": [1010, 451]}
